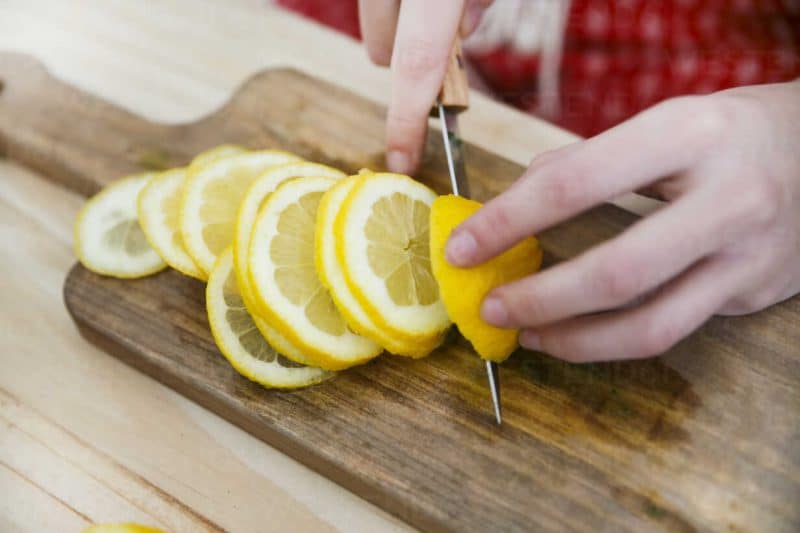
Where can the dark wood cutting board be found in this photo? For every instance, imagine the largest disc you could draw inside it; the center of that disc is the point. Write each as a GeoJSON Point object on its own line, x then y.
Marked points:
{"type": "Point", "coordinates": [704, 437]}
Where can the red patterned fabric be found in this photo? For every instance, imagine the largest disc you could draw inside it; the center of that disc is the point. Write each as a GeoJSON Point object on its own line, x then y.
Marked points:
{"type": "Point", "coordinates": [621, 56]}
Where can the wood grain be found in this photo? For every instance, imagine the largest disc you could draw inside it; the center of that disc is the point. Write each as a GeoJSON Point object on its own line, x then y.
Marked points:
{"type": "Point", "coordinates": [187, 453]}
{"type": "Point", "coordinates": [61, 462]}
{"type": "Point", "coordinates": [705, 437]}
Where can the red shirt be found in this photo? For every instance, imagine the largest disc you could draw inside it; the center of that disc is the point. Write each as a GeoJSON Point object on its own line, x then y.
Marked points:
{"type": "Point", "coordinates": [622, 56]}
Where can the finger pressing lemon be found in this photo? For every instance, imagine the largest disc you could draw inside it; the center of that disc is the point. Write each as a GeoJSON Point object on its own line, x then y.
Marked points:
{"type": "Point", "coordinates": [463, 289]}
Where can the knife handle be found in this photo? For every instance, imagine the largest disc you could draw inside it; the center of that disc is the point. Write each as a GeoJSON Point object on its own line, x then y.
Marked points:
{"type": "Point", "coordinates": [455, 88]}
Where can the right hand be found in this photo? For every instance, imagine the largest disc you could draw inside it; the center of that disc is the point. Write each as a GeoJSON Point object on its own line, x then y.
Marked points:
{"type": "Point", "coordinates": [414, 38]}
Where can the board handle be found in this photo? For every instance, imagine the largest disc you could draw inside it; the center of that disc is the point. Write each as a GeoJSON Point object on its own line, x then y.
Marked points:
{"type": "Point", "coordinates": [71, 136]}
{"type": "Point", "coordinates": [455, 87]}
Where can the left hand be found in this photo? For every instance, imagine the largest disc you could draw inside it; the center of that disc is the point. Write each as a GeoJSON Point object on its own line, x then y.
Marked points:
{"type": "Point", "coordinates": [727, 242]}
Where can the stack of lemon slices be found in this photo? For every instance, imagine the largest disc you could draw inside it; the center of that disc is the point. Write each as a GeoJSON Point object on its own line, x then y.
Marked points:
{"type": "Point", "coordinates": [309, 271]}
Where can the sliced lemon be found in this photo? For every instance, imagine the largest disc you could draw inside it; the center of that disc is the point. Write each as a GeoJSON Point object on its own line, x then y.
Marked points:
{"type": "Point", "coordinates": [158, 215]}
{"type": "Point", "coordinates": [239, 339]}
{"type": "Point", "coordinates": [108, 238]}
{"type": "Point", "coordinates": [382, 246]}
{"type": "Point", "coordinates": [159, 207]}
{"type": "Point", "coordinates": [463, 289]}
{"type": "Point", "coordinates": [255, 197]}
{"type": "Point", "coordinates": [273, 336]}
{"type": "Point", "coordinates": [121, 528]}
{"type": "Point", "coordinates": [211, 196]}
{"type": "Point", "coordinates": [285, 282]}
{"type": "Point", "coordinates": [218, 152]}
{"type": "Point", "coordinates": [332, 277]}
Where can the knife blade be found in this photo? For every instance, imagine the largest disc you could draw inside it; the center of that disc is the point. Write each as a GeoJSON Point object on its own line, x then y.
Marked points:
{"type": "Point", "coordinates": [452, 100]}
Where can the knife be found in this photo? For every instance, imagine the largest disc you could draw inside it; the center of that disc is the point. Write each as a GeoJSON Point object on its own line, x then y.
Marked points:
{"type": "Point", "coordinates": [452, 100]}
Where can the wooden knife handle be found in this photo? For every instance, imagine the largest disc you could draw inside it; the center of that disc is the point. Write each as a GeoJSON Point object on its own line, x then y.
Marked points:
{"type": "Point", "coordinates": [455, 88]}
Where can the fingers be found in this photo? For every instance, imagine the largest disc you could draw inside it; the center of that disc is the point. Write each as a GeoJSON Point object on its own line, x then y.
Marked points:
{"type": "Point", "coordinates": [664, 140]}
{"type": "Point", "coordinates": [644, 331]}
{"type": "Point", "coordinates": [473, 12]}
{"type": "Point", "coordinates": [425, 33]}
{"type": "Point", "coordinates": [614, 273]}
{"type": "Point", "coordinates": [378, 20]}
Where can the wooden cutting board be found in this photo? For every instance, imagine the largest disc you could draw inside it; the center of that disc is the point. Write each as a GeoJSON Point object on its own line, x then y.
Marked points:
{"type": "Point", "coordinates": [704, 437]}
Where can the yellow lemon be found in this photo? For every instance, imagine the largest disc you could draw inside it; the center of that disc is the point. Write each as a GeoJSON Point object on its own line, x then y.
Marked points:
{"type": "Point", "coordinates": [463, 289]}
{"type": "Point", "coordinates": [332, 276]}
{"type": "Point", "coordinates": [239, 339]}
{"type": "Point", "coordinates": [210, 199]}
{"type": "Point", "coordinates": [256, 197]}
{"type": "Point", "coordinates": [159, 209]}
{"type": "Point", "coordinates": [121, 528]}
{"type": "Point", "coordinates": [108, 238]}
{"type": "Point", "coordinates": [285, 283]}
{"type": "Point", "coordinates": [381, 235]}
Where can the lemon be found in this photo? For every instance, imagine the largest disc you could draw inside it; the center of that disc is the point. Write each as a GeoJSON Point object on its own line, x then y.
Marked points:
{"type": "Point", "coordinates": [274, 338]}
{"type": "Point", "coordinates": [285, 283]}
{"type": "Point", "coordinates": [158, 215]}
{"type": "Point", "coordinates": [332, 276]}
{"type": "Point", "coordinates": [218, 152]}
{"type": "Point", "coordinates": [255, 197]}
{"type": "Point", "coordinates": [108, 238]}
{"type": "Point", "coordinates": [382, 246]}
{"type": "Point", "coordinates": [211, 196]}
{"type": "Point", "coordinates": [158, 209]}
{"type": "Point", "coordinates": [121, 528]}
{"type": "Point", "coordinates": [248, 210]}
{"type": "Point", "coordinates": [463, 289]}
{"type": "Point", "coordinates": [239, 339]}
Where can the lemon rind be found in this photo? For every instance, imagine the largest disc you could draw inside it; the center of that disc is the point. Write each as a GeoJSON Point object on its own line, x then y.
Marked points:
{"type": "Point", "coordinates": [375, 314]}
{"type": "Point", "coordinates": [185, 264]}
{"type": "Point", "coordinates": [262, 186]}
{"type": "Point", "coordinates": [197, 177]}
{"type": "Point", "coordinates": [248, 369]}
{"type": "Point", "coordinates": [320, 355]}
{"type": "Point", "coordinates": [350, 308]}
{"type": "Point", "coordinates": [78, 238]}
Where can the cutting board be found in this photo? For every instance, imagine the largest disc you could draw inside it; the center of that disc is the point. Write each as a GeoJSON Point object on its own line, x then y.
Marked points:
{"type": "Point", "coordinates": [705, 437]}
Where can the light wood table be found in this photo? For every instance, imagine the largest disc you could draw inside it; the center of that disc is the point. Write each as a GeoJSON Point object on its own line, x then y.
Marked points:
{"type": "Point", "coordinates": [85, 438]}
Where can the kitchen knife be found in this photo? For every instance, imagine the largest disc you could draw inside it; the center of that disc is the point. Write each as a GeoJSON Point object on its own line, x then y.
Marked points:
{"type": "Point", "coordinates": [452, 100]}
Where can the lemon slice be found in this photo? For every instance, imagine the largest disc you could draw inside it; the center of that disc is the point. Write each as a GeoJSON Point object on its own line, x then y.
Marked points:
{"type": "Point", "coordinates": [239, 339]}
{"type": "Point", "coordinates": [158, 215]}
{"type": "Point", "coordinates": [158, 209]}
{"type": "Point", "coordinates": [382, 246]}
{"type": "Point", "coordinates": [218, 152]}
{"type": "Point", "coordinates": [332, 277]}
{"type": "Point", "coordinates": [463, 289]}
{"type": "Point", "coordinates": [211, 196]}
{"type": "Point", "coordinates": [274, 338]}
{"type": "Point", "coordinates": [285, 282]}
{"type": "Point", "coordinates": [108, 238]}
{"type": "Point", "coordinates": [255, 198]}
{"type": "Point", "coordinates": [121, 528]}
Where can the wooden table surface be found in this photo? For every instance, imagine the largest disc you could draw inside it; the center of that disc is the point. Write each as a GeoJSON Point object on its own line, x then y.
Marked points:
{"type": "Point", "coordinates": [85, 438]}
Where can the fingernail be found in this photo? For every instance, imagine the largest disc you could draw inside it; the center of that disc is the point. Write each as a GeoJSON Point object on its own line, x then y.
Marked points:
{"type": "Point", "coordinates": [494, 311]}
{"type": "Point", "coordinates": [398, 161]}
{"type": "Point", "coordinates": [471, 19]}
{"type": "Point", "coordinates": [530, 340]}
{"type": "Point", "coordinates": [460, 248]}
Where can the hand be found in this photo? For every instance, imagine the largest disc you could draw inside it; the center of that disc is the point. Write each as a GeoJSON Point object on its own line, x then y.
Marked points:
{"type": "Point", "coordinates": [414, 37]}
{"type": "Point", "coordinates": [727, 241]}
